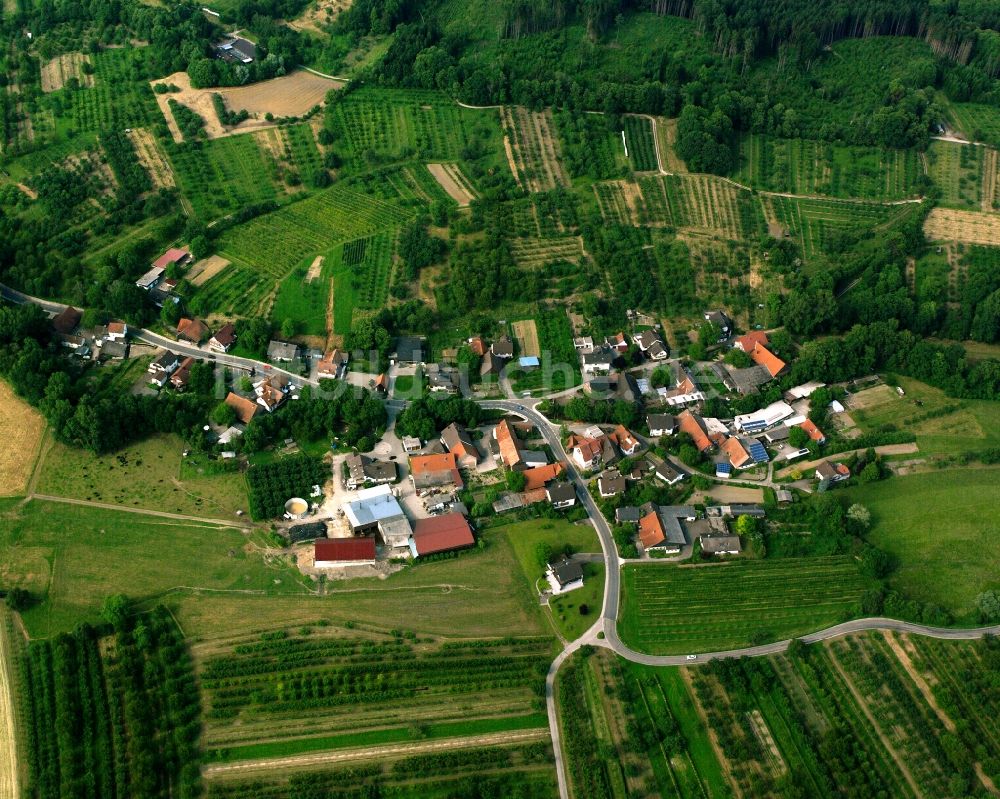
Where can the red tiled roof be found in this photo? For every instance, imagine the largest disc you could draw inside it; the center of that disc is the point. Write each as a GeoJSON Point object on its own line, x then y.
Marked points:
{"type": "Point", "coordinates": [171, 256]}
{"type": "Point", "coordinates": [736, 452]}
{"type": "Point", "coordinates": [692, 425]}
{"type": "Point", "coordinates": [67, 320]}
{"type": "Point", "coordinates": [477, 346]}
{"type": "Point", "coordinates": [762, 356]}
{"type": "Point", "coordinates": [344, 549]}
{"type": "Point", "coordinates": [442, 533]}
{"type": "Point", "coordinates": [651, 530]}
{"type": "Point", "coordinates": [439, 462]}
{"type": "Point", "coordinates": [226, 334]}
{"type": "Point", "coordinates": [814, 432]}
{"type": "Point", "coordinates": [117, 328]}
{"type": "Point", "coordinates": [245, 409]}
{"type": "Point", "coordinates": [192, 329]}
{"type": "Point", "coordinates": [537, 478]}
{"type": "Point", "coordinates": [751, 340]}
{"type": "Point", "coordinates": [624, 438]}
{"type": "Point", "coordinates": [510, 447]}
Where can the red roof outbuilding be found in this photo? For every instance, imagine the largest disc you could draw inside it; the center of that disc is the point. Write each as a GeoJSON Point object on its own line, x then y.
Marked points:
{"type": "Point", "coordinates": [344, 550]}
{"type": "Point", "coordinates": [441, 534]}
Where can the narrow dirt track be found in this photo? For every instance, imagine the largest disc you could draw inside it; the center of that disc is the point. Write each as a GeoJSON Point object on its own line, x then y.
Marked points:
{"type": "Point", "coordinates": [9, 788]}
{"type": "Point", "coordinates": [374, 752]}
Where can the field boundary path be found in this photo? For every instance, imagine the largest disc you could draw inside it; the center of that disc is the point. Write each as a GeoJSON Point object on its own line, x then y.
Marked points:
{"type": "Point", "coordinates": [9, 778]}
{"type": "Point", "coordinates": [374, 752]}
{"type": "Point", "coordinates": [180, 517]}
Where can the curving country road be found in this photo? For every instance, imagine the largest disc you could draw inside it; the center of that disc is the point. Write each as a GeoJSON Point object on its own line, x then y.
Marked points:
{"type": "Point", "coordinates": [604, 632]}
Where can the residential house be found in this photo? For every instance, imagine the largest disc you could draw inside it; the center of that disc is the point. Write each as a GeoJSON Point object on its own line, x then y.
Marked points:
{"type": "Point", "coordinates": [720, 544]}
{"type": "Point", "coordinates": [116, 350]}
{"type": "Point", "coordinates": [151, 279]}
{"type": "Point", "coordinates": [477, 346]}
{"type": "Point", "coordinates": [117, 330]}
{"type": "Point", "coordinates": [814, 432]}
{"type": "Point", "coordinates": [175, 256]}
{"type": "Point", "coordinates": [457, 440]}
{"type": "Point", "coordinates": [627, 443]}
{"type": "Point", "coordinates": [661, 526]}
{"type": "Point", "coordinates": [194, 330]}
{"type": "Point", "coordinates": [762, 356]}
{"type": "Point", "coordinates": [583, 344]}
{"type": "Point", "coordinates": [651, 345]}
{"type": "Point", "coordinates": [162, 368]}
{"type": "Point", "coordinates": [586, 452]}
{"type": "Point", "coordinates": [628, 514]}
{"type": "Point", "coordinates": [561, 494]}
{"type": "Point", "coordinates": [74, 342]}
{"type": "Point", "coordinates": [282, 351]}
{"type": "Point", "coordinates": [611, 484]}
{"type": "Point", "coordinates": [180, 378]}
{"type": "Point", "coordinates": [333, 365]}
{"type": "Point", "coordinates": [618, 343]}
{"type": "Point", "coordinates": [362, 470]}
{"type": "Point", "coordinates": [694, 426]}
{"type": "Point", "coordinates": [489, 365]}
{"type": "Point", "coordinates": [445, 533]}
{"type": "Point", "coordinates": [564, 575]}
{"type": "Point", "coordinates": [509, 446]}
{"type": "Point", "coordinates": [245, 408]}
{"type": "Point", "coordinates": [667, 473]}
{"type": "Point", "coordinates": [381, 384]}
{"type": "Point", "coordinates": [599, 361]}
{"type": "Point", "coordinates": [224, 338]}
{"type": "Point", "coordinates": [749, 379]}
{"type": "Point", "coordinates": [435, 471]}
{"type": "Point", "coordinates": [442, 379]}
{"type": "Point", "coordinates": [737, 454]}
{"type": "Point", "coordinates": [409, 350]}
{"type": "Point", "coordinates": [539, 476]}
{"type": "Point", "coordinates": [271, 392]}
{"type": "Point", "coordinates": [661, 424]}
{"type": "Point", "coordinates": [747, 342]}
{"type": "Point", "coordinates": [330, 553]}
{"type": "Point", "coordinates": [503, 349]}
{"type": "Point", "coordinates": [411, 444]}
{"type": "Point", "coordinates": [722, 321]}
{"type": "Point", "coordinates": [378, 509]}
{"type": "Point", "coordinates": [758, 421]}
{"type": "Point", "coordinates": [685, 390]}
{"type": "Point", "coordinates": [828, 473]}
{"type": "Point", "coordinates": [67, 320]}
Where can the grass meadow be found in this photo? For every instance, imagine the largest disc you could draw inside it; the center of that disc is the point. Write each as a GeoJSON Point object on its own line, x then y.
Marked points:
{"type": "Point", "coordinates": [942, 527]}
{"type": "Point", "coordinates": [669, 609]}
{"type": "Point", "coordinates": [148, 474]}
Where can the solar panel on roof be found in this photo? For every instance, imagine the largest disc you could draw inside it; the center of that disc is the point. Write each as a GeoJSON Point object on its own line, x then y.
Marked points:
{"type": "Point", "coordinates": [758, 453]}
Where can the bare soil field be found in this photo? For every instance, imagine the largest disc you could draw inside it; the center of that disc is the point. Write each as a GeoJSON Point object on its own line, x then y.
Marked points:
{"type": "Point", "coordinates": [725, 494]}
{"type": "Point", "coordinates": [152, 159]}
{"type": "Point", "coordinates": [314, 269]}
{"type": "Point", "coordinates": [526, 333]}
{"type": "Point", "coordinates": [291, 95]}
{"type": "Point", "coordinates": [205, 269]}
{"type": "Point", "coordinates": [21, 428]}
{"type": "Point", "coordinates": [451, 179]}
{"type": "Point", "coordinates": [319, 13]}
{"type": "Point", "coordinates": [9, 787]}
{"type": "Point", "coordinates": [973, 227]}
{"type": "Point", "coordinates": [60, 69]}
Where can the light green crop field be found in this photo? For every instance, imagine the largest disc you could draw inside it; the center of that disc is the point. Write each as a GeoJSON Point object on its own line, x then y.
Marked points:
{"type": "Point", "coordinates": [944, 426]}
{"type": "Point", "coordinates": [148, 474]}
{"type": "Point", "coordinates": [72, 557]}
{"type": "Point", "coordinates": [942, 526]}
{"type": "Point", "coordinates": [958, 170]}
{"type": "Point", "coordinates": [670, 609]}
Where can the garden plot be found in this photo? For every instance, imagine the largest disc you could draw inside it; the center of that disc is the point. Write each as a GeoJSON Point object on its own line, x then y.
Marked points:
{"type": "Point", "coordinates": [204, 270]}
{"type": "Point", "coordinates": [700, 204]}
{"type": "Point", "coordinates": [453, 182]}
{"type": "Point", "coordinates": [152, 158]}
{"type": "Point", "coordinates": [533, 149]}
{"type": "Point", "coordinates": [57, 72]}
{"type": "Point", "coordinates": [972, 227]}
{"type": "Point", "coordinates": [291, 95]}
{"type": "Point", "coordinates": [621, 202]}
{"type": "Point", "coordinates": [21, 428]}
{"type": "Point", "coordinates": [526, 335]}
{"type": "Point", "coordinates": [958, 170]}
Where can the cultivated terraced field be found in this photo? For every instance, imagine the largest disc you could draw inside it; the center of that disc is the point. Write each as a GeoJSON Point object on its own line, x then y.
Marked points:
{"type": "Point", "coordinates": [701, 203]}
{"type": "Point", "coordinates": [275, 243]}
{"type": "Point", "coordinates": [681, 609]}
{"type": "Point", "coordinates": [533, 150]}
{"type": "Point", "coordinates": [972, 227]}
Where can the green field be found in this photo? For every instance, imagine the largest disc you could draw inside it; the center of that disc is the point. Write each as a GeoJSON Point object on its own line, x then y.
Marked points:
{"type": "Point", "coordinates": [977, 121]}
{"type": "Point", "coordinates": [149, 474]}
{"type": "Point", "coordinates": [802, 166]}
{"type": "Point", "coordinates": [942, 528]}
{"type": "Point", "coordinates": [669, 609]}
{"type": "Point", "coordinates": [237, 290]}
{"type": "Point", "coordinates": [943, 426]}
{"type": "Point", "coordinates": [380, 125]}
{"type": "Point", "coordinates": [304, 302]}
{"type": "Point", "coordinates": [281, 694]}
{"type": "Point", "coordinates": [702, 202]}
{"type": "Point", "coordinates": [221, 176]}
{"type": "Point", "coordinates": [277, 242]}
{"type": "Point", "coordinates": [818, 224]}
{"type": "Point", "coordinates": [957, 169]}
{"type": "Point", "coordinates": [641, 145]}
{"type": "Point", "coordinates": [72, 557]}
